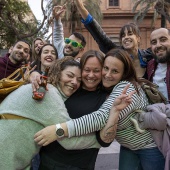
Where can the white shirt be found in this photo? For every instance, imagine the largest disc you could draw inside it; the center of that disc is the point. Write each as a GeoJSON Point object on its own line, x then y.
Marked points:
{"type": "Point", "coordinates": [160, 78]}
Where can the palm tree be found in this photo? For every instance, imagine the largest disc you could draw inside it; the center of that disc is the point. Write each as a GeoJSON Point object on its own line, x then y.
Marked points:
{"type": "Point", "coordinates": [72, 16]}
{"type": "Point", "coordinates": [161, 7]}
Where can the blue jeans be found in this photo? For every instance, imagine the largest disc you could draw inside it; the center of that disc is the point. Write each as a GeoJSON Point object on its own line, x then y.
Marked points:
{"type": "Point", "coordinates": [35, 162]}
{"type": "Point", "coordinates": [142, 159]}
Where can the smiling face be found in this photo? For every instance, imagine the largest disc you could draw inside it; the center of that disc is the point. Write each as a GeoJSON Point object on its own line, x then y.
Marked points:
{"type": "Point", "coordinates": [112, 72]}
{"type": "Point", "coordinates": [48, 56]}
{"type": "Point", "coordinates": [91, 74]}
{"type": "Point", "coordinates": [160, 45]}
{"type": "Point", "coordinates": [38, 45]}
{"type": "Point", "coordinates": [129, 40]}
{"type": "Point", "coordinates": [69, 50]}
{"type": "Point", "coordinates": [20, 52]}
{"type": "Point", "coordinates": [70, 80]}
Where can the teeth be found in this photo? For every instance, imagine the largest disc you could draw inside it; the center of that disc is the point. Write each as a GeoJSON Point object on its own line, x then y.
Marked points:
{"type": "Point", "coordinates": [91, 81]}
{"type": "Point", "coordinates": [71, 88]}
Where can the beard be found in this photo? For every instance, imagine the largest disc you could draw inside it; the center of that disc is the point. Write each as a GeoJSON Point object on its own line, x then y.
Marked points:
{"type": "Point", "coordinates": [17, 60]}
{"type": "Point", "coordinates": [163, 59]}
{"type": "Point", "coordinates": [73, 54]}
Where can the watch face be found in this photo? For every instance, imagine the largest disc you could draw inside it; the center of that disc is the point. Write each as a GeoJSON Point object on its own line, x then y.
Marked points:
{"type": "Point", "coordinates": [60, 132]}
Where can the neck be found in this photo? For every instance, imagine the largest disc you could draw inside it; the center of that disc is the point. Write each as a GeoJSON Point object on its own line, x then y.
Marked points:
{"type": "Point", "coordinates": [12, 60]}
{"type": "Point", "coordinates": [59, 89]}
{"type": "Point", "coordinates": [133, 52]}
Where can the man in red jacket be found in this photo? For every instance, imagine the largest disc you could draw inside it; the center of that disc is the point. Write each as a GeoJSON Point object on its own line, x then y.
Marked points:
{"type": "Point", "coordinates": [12, 61]}
{"type": "Point", "coordinates": [158, 69]}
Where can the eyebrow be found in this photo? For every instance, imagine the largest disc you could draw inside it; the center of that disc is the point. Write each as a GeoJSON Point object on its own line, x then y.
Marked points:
{"type": "Point", "coordinates": [71, 73]}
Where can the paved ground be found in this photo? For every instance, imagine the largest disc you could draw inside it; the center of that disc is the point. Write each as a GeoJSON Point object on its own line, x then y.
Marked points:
{"type": "Point", "coordinates": [108, 157]}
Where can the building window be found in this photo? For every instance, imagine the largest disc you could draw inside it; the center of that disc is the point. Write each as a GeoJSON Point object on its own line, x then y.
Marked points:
{"type": "Point", "coordinates": [113, 2]}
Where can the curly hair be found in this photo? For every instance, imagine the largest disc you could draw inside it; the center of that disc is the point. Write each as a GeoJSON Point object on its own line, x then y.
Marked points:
{"type": "Point", "coordinates": [59, 66]}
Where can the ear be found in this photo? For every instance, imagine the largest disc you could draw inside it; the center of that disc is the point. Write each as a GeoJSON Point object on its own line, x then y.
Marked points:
{"type": "Point", "coordinates": [81, 50]}
{"type": "Point", "coordinates": [138, 39]}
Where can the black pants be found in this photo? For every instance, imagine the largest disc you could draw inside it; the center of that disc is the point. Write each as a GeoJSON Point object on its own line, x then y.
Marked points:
{"type": "Point", "coordinates": [49, 164]}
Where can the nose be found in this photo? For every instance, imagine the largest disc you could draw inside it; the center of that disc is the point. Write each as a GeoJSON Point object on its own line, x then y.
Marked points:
{"type": "Point", "coordinates": [126, 36]}
{"type": "Point", "coordinates": [74, 81]}
{"type": "Point", "coordinates": [21, 50]}
{"type": "Point", "coordinates": [91, 74]}
{"type": "Point", "coordinates": [39, 45]}
{"type": "Point", "coordinates": [158, 44]}
{"type": "Point", "coordinates": [108, 74]}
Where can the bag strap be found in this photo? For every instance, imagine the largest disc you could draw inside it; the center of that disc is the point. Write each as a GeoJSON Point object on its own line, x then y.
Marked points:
{"type": "Point", "coordinates": [19, 72]}
{"type": "Point", "coordinates": [11, 116]}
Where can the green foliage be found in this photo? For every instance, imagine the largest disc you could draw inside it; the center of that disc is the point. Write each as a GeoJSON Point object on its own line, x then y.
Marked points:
{"type": "Point", "coordinates": [142, 7]}
{"type": "Point", "coordinates": [13, 22]}
{"type": "Point", "coordinates": [72, 16]}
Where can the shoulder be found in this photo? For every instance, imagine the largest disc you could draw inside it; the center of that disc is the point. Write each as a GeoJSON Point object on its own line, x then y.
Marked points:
{"type": "Point", "coordinates": [146, 54]}
{"type": "Point", "coordinates": [123, 84]}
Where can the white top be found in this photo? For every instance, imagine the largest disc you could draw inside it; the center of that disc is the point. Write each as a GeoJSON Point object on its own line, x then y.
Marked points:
{"type": "Point", "coordinates": [160, 78]}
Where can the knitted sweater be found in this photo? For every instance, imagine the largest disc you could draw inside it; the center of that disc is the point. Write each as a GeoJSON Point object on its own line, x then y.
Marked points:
{"type": "Point", "coordinates": [17, 145]}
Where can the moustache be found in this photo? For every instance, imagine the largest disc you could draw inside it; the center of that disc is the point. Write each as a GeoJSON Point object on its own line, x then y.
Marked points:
{"type": "Point", "coordinates": [159, 48]}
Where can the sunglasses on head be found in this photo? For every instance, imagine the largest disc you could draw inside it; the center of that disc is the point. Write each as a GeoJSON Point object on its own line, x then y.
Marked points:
{"type": "Point", "coordinates": [73, 43]}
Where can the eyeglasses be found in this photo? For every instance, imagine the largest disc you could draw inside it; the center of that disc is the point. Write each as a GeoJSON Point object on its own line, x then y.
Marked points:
{"type": "Point", "coordinates": [73, 43]}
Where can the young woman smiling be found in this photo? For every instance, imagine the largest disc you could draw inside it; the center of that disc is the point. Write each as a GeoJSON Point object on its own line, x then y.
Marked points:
{"type": "Point", "coordinates": [23, 117]}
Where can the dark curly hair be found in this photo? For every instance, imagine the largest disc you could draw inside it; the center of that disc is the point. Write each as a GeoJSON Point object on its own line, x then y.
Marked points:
{"type": "Point", "coordinates": [59, 66]}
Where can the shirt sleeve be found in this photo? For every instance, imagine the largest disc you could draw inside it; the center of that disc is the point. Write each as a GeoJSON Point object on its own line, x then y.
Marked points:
{"type": "Point", "coordinates": [97, 120]}
{"type": "Point", "coordinates": [101, 142]}
{"type": "Point", "coordinates": [58, 37]}
{"type": "Point", "coordinates": [88, 20]}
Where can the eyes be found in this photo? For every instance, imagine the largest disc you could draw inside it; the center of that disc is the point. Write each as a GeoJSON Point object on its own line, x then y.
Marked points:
{"type": "Point", "coordinates": [36, 45]}
{"type": "Point", "coordinates": [94, 71]}
{"type": "Point", "coordinates": [130, 33]}
{"type": "Point", "coordinates": [26, 50]}
{"type": "Point", "coordinates": [161, 40]}
{"type": "Point", "coordinates": [113, 71]}
{"type": "Point", "coordinates": [71, 76]}
{"type": "Point", "coordinates": [47, 51]}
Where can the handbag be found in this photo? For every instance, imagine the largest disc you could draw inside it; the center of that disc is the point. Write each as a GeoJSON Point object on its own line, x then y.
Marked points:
{"type": "Point", "coordinates": [9, 84]}
{"type": "Point", "coordinates": [152, 92]}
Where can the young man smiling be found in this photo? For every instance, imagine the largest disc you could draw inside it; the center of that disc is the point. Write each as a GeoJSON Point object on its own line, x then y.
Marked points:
{"type": "Point", "coordinates": [12, 61]}
{"type": "Point", "coordinates": [72, 46]}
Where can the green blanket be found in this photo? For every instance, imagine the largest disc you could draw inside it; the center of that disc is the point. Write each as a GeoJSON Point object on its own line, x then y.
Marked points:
{"type": "Point", "coordinates": [17, 146]}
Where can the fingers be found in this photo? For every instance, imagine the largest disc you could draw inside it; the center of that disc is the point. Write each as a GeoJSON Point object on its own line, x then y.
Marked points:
{"type": "Point", "coordinates": [58, 10]}
{"type": "Point", "coordinates": [32, 69]}
{"type": "Point", "coordinates": [35, 82]}
{"type": "Point", "coordinates": [125, 89]}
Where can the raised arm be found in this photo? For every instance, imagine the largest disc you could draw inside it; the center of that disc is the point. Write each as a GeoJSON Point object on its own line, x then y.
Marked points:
{"type": "Point", "coordinates": [104, 42]}
{"type": "Point", "coordinates": [82, 10]}
{"type": "Point", "coordinates": [58, 33]}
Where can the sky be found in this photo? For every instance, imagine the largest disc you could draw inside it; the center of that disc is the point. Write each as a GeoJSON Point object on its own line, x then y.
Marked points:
{"type": "Point", "coordinates": [35, 6]}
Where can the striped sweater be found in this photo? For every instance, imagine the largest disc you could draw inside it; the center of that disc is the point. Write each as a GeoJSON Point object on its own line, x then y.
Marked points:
{"type": "Point", "coordinates": [126, 133]}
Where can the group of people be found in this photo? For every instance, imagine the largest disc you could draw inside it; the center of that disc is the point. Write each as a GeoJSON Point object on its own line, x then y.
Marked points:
{"type": "Point", "coordinates": [90, 100]}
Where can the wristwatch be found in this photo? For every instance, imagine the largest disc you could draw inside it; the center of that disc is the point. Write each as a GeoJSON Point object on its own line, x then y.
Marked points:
{"type": "Point", "coordinates": [59, 131]}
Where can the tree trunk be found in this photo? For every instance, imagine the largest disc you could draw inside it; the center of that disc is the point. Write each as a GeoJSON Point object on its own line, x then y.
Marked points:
{"type": "Point", "coordinates": [163, 21]}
